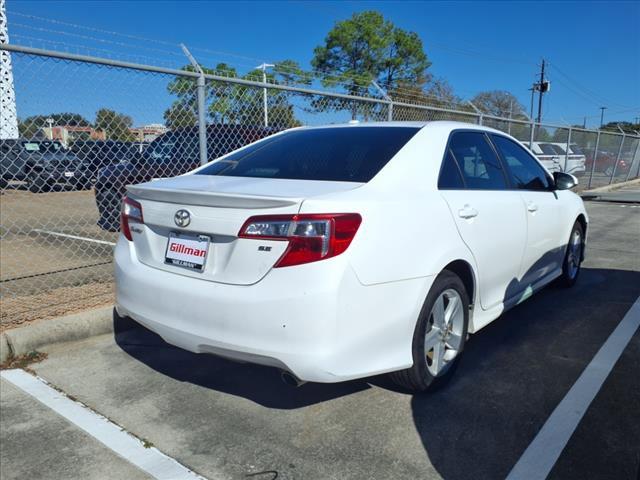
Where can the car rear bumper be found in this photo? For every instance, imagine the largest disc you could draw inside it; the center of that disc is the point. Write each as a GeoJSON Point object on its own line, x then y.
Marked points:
{"type": "Point", "coordinates": [316, 321]}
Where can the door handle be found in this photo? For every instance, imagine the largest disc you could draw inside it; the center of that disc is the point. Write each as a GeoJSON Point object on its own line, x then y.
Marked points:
{"type": "Point", "coordinates": [467, 212]}
{"type": "Point", "coordinates": [532, 207]}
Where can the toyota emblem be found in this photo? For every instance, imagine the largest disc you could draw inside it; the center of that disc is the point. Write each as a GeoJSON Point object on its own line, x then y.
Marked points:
{"type": "Point", "coordinates": [182, 218]}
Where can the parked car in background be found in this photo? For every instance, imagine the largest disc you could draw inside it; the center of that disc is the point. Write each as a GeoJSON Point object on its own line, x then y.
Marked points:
{"type": "Point", "coordinates": [13, 161]}
{"type": "Point", "coordinates": [548, 156]}
{"type": "Point", "coordinates": [49, 166]}
{"type": "Point", "coordinates": [605, 162]}
{"type": "Point", "coordinates": [43, 164]}
{"type": "Point", "coordinates": [172, 153]}
{"type": "Point", "coordinates": [347, 251]}
{"type": "Point", "coordinates": [573, 161]}
{"type": "Point", "coordinates": [95, 155]}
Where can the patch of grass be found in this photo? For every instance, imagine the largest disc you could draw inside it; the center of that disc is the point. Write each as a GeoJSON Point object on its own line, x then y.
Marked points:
{"type": "Point", "coordinates": [23, 361]}
{"type": "Point", "coordinates": [146, 443]}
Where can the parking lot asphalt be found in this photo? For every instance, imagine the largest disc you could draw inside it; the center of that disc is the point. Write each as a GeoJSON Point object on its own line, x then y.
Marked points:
{"type": "Point", "coordinates": [37, 443]}
{"type": "Point", "coordinates": [229, 420]}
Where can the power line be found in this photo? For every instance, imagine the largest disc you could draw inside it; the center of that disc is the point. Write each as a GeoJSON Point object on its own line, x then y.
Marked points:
{"type": "Point", "coordinates": [600, 99]}
{"type": "Point", "coordinates": [100, 40]}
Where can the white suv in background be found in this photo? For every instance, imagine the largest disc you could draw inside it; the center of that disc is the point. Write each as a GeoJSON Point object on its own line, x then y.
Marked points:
{"type": "Point", "coordinates": [554, 157]}
{"type": "Point", "coordinates": [547, 154]}
{"type": "Point", "coordinates": [573, 161]}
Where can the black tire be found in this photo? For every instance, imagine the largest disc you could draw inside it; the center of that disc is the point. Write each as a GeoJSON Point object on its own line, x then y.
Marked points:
{"type": "Point", "coordinates": [571, 270]}
{"type": "Point", "coordinates": [418, 378]}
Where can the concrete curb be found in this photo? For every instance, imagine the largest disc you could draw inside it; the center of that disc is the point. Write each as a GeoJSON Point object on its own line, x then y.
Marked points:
{"type": "Point", "coordinates": [19, 341]}
{"type": "Point", "coordinates": [610, 188]}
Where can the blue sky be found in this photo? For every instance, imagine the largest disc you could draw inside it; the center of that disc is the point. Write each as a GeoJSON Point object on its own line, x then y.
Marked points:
{"type": "Point", "coordinates": [593, 47]}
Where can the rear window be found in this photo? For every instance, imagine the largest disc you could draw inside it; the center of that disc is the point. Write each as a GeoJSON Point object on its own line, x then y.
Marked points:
{"type": "Point", "coordinates": [548, 149]}
{"type": "Point", "coordinates": [345, 154]}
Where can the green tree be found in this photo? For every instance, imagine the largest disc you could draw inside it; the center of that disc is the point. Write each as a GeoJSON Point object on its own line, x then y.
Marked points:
{"type": "Point", "coordinates": [500, 103]}
{"type": "Point", "coordinates": [628, 127]}
{"type": "Point", "coordinates": [115, 125]}
{"type": "Point", "coordinates": [30, 126]}
{"type": "Point", "coordinates": [180, 115]}
{"type": "Point", "coordinates": [184, 111]}
{"type": "Point", "coordinates": [229, 102]}
{"type": "Point", "coordinates": [368, 48]}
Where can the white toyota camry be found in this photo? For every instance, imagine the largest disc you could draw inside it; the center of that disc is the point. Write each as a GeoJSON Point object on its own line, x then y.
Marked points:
{"type": "Point", "coordinates": [341, 252]}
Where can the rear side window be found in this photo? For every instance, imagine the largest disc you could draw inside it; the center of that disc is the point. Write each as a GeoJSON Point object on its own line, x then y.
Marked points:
{"type": "Point", "coordinates": [344, 154]}
{"type": "Point", "coordinates": [526, 173]}
{"type": "Point", "coordinates": [477, 160]}
{"type": "Point", "coordinates": [450, 176]}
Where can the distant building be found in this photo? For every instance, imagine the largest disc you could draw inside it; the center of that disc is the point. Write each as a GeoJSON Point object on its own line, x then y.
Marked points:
{"type": "Point", "coordinates": [67, 134]}
{"type": "Point", "coordinates": [148, 133]}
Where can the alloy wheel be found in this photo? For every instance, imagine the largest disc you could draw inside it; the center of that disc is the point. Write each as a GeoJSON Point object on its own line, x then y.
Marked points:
{"type": "Point", "coordinates": [574, 254]}
{"type": "Point", "coordinates": [443, 337]}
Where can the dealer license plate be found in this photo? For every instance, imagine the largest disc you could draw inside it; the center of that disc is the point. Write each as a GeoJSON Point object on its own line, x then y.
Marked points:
{"type": "Point", "coordinates": [188, 251]}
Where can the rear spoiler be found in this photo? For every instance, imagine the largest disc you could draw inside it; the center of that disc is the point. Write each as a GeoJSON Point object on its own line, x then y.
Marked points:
{"type": "Point", "coordinates": [149, 191]}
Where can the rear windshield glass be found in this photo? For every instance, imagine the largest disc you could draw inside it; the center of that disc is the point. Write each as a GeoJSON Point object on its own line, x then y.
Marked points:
{"type": "Point", "coordinates": [345, 154]}
{"type": "Point", "coordinates": [548, 149]}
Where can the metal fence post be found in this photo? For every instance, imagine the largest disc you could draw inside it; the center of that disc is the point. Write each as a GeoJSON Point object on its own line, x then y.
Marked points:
{"type": "Point", "coordinates": [633, 159]}
{"type": "Point", "coordinates": [566, 156]}
{"type": "Point", "coordinates": [595, 156]}
{"type": "Point", "coordinates": [386, 96]}
{"type": "Point", "coordinates": [531, 135]}
{"type": "Point", "coordinates": [202, 119]}
{"type": "Point", "coordinates": [615, 166]}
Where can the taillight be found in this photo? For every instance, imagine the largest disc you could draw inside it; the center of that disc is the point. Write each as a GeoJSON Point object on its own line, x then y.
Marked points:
{"type": "Point", "coordinates": [131, 212]}
{"type": "Point", "coordinates": [311, 237]}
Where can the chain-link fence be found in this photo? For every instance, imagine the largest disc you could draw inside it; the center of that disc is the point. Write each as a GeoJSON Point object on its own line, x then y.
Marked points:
{"type": "Point", "coordinates": [64, 174]}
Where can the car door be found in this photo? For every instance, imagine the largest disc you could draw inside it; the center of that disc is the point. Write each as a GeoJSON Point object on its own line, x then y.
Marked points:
{"type": "Point", "coordinates": [490, 217]}
{"type": "Point", "coordinates": [545, 215]}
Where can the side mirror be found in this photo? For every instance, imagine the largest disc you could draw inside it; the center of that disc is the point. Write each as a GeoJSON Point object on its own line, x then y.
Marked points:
{"type": "Point", "coordinates": [564, 181]}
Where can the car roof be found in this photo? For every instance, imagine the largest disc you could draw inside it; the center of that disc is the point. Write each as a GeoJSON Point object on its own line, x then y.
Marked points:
{"type": "Point", "coordinates": [439, 124]}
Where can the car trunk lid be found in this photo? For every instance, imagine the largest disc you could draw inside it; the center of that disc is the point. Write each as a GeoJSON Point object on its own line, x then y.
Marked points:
{"type": "Point", "coordinates": [217, 207]}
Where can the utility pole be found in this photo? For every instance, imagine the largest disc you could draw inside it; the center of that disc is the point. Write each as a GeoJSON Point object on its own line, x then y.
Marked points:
{"type": "Point", "coordinates": [602, 109]}
{"type": "Point", "coordinates": [541, 89]}
{"type": "Point", "coordinates": [584, 122]}
{"type": "Point", "coordinates": [264, 67]}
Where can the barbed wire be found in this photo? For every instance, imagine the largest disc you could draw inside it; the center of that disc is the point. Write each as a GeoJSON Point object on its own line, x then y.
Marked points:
{"type": "Point", "coordinates": [303, 77]}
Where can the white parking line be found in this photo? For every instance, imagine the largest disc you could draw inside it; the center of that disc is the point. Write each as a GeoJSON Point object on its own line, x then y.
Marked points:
{"type": "Point", "coordinates": [75, 237]}
{"type": "Point", "coordinates": [543, 452]}
{"type": "Point", "coordinates": [150, 460]}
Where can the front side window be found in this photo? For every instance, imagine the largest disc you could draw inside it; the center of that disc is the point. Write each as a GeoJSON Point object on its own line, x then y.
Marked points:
{"type": "Point", "coordinates": [341, 154]}
{"type": "Point", "coordinates": [527, 174]}
{"type": "Point", "coordinates": [478, 163]}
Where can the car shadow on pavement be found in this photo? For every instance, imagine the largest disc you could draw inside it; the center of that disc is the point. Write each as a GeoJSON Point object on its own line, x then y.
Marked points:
{"type": "Point", "coordinates": [257, 383]}
{"type": "Point", "coordinates": [513, 374]}
{"type": "Point", "coordinates": [515, 371]}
